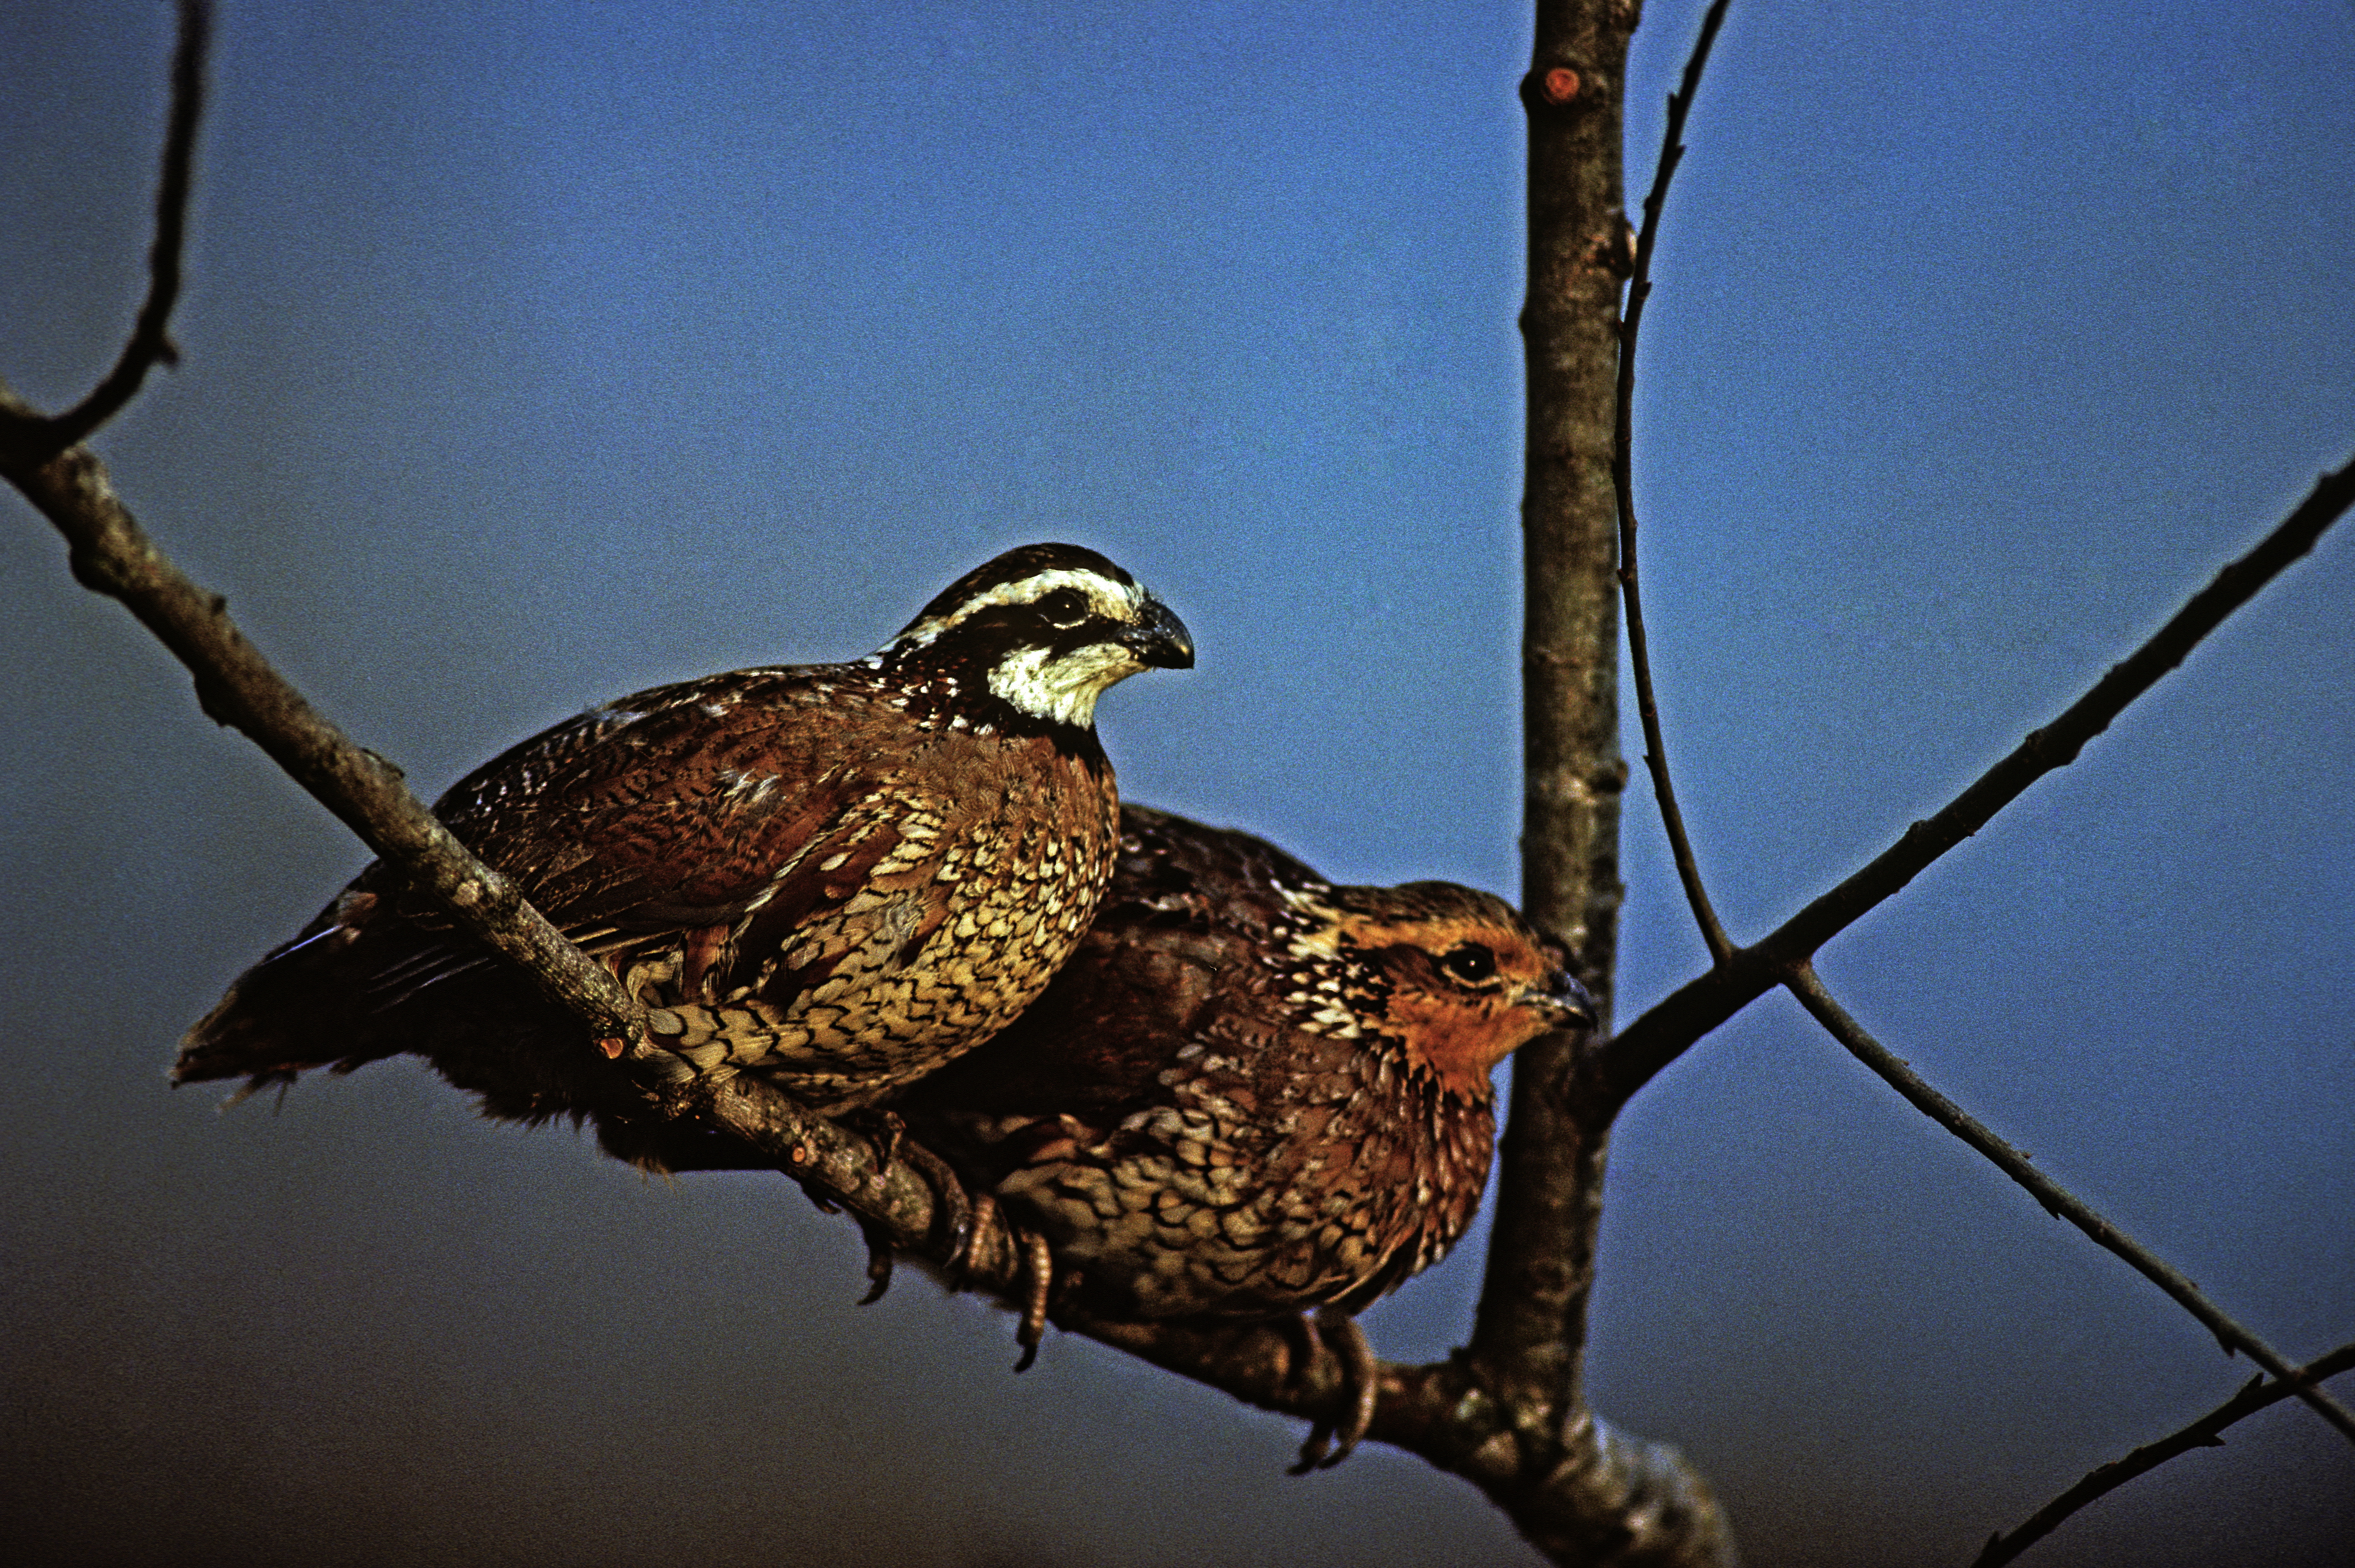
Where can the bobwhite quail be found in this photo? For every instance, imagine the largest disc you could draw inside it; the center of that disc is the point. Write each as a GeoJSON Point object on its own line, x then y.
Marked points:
{"type": "Point", "coordinates": [835, 876]}
{"type": "Point", "coordinates": [1250, 1093]}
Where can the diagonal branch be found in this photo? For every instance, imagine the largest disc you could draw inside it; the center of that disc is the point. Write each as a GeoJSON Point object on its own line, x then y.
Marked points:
{"type": "Point", "coordinates": [1623, 445]}
{"type": "Point", "coordinates": [2205, 1433]}
{"type": "Point", "coordinates": [2057, 1200]}
{"type": "Point", "coordinates": [1698, 1005]}
{"type": "Point", "coordinates": [110, 554]}
{"type": "Point", "coordinates": [1617, 1503]}
{"type": "Point", "coordinates": [28, 439]}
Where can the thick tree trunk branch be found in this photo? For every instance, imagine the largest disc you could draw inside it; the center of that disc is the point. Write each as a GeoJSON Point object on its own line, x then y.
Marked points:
{"type": "Point", "coordinates": [1578, 1492]}
{"type": "Point", "coordinates": [1530, 1326]}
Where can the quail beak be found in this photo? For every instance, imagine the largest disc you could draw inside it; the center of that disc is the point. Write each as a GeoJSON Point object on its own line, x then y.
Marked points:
{"type": "Point", "coordinates": [1568, 1000]}
{"type": "Point", "coordinates": [1158, 639]}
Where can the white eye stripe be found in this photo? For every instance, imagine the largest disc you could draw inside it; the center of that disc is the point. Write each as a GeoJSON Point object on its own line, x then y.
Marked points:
{"type": "Point", "coordinates": [1104, 596]}
{"type": "Point", "coordinates": [1111, 599]}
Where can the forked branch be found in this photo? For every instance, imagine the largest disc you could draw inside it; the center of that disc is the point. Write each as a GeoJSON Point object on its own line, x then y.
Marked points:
{"type": "Point", "coordinates": [2059, 746]}
{"type": "Point", "coordinates": [28, 439]}
{"type": "Point", "coordinates": [1693, 1009]}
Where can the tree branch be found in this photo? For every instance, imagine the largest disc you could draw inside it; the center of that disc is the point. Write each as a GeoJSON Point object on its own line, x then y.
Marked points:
{"type": "Point", "coordinates": [1622, 475]}
{"type": "Point", "coordinates": [1517, 1417]}
{"type": "Point", "coordinates": [2057, 1200]}
{"type": "Point", "coordinates": [110, 554]}
{"type": "Point", "coordinates": [1631, 1505]}
{"type": "Point", "coordinates": [1590, 1496]}
{"type": "Point", "coordinates": [27, 439]}
{"type": "Point", "coordinates": [1577, 1489]}
{"type": "Point", "coordinates": [2204, 1433]}
{"type": "Point", "coordinates": [1693, 1009]}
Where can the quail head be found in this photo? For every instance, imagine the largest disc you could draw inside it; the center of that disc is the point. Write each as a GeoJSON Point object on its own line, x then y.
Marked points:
{"type": "Point", "coordinates": [837, 877]}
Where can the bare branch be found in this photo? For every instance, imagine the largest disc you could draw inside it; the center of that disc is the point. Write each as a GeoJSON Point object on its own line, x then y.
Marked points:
{"type": "Point", "coordinates": [2204, 1433]}
{"type": "Point", "coordinates": [2057, 1200]}
{"type": "Point", "coordinates": [1698, 1005]}
{"type": "Point", "coordinates": [1630, 321]}
{"type": "Point", "coordinates": [1578, 1490]}
{"type": "Point", "coordinates": [26, 438]}
{"type": "Point", "coordinates": [237, 687]}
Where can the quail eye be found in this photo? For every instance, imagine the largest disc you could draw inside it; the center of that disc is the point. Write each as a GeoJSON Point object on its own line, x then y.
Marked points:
{"type": "Point", "coordinates": [1065, 607]}
{"type": "Point", "coordinates": [1470, 962]}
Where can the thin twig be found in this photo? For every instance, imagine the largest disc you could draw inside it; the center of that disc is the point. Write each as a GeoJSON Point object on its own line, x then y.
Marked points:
{"type": "Point", "coordinates": [1683, 1016]}
{"type": "Point", "coordinates": [2057, 1200]}
{"type": "Point", "coordinates": [32, 439]}
{"type": "Point", "coordinates": [2205, 1433]}
{"type": "Point", "coordinates": [1639, 653]}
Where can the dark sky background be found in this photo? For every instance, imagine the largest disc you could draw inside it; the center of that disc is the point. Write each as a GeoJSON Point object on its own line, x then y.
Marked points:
{"type": "Point", "coordinates": [537, 353]}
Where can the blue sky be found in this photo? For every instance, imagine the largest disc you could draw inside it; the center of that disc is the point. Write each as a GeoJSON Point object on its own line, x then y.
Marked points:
{"type": "Point", "coordinates": [541, 352]}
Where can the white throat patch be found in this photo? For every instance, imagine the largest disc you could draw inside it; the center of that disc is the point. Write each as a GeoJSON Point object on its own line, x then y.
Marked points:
{"type": "Point", "coordinates": [1063, 689]}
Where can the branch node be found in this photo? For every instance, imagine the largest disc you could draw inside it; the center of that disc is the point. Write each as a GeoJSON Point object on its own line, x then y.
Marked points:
{"type": "Point", "coordinates": [1559, 91]}
{"type": "Point", "coordinates": [97, 571]}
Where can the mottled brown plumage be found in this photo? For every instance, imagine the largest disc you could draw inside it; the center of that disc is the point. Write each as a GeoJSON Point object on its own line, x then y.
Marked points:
{"type": "Point", "coordinates": [837, 877]}
{"type": "Point", "coordinates": [1251, 1092]}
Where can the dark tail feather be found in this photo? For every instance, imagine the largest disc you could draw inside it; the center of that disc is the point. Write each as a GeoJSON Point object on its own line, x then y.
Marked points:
{"type": "Point", "coordinates": [359, 983]}
{"type": "Point", "coordinates": [309, 1004]}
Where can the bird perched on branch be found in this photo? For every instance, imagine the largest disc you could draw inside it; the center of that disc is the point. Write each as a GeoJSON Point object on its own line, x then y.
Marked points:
{"type": "Point", "coordinates": [837, 877]}
{"type": "Point", "coordinates": [1251, 1092]}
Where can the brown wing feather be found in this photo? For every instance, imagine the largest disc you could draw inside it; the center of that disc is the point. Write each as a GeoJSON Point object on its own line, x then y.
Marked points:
{"type": "Point", "coordinates": [650, 816]}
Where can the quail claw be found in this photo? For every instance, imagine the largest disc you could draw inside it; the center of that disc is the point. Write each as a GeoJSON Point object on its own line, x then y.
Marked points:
{"type": "Point", "coordinates": [1360, 1387]}
{"type": "Point", "coordinates": [1040, 1260]}
{"type": "Point", "coordinates": [883, 1130]}
{"type": "Point", "coordinates": [958, 1212]}
{"type": "Point", "coordinates": [879, 1262]}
